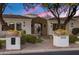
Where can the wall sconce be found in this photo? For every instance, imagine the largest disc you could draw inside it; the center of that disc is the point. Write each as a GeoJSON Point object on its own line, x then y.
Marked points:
{"type": "Point", "coordinates": [72, 25]}
{"type": "Point", "coordinates": [51, 24]}
{"type": "Point", "coordinates": [24, 24]}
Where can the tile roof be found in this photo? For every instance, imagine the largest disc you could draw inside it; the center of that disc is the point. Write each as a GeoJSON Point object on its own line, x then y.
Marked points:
{"type": "Point", "coordinates": [24, 17]}
{"type": "Point", "coordinates": [15, 16]}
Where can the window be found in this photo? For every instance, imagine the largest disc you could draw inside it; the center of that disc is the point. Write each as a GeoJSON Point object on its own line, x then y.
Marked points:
{"type": "Point", "coordinates": [63, 26]}
{"type": "Point", "coordinates": [18, 26]}
{"type": "Point", "coordinates": [4, 27]}
{"type": "Point", "coordinates": [11, 26]}
{"type": "Point", "coordinates": [55, 26]}
{"type": "Point", "coordinates": [13, 41]}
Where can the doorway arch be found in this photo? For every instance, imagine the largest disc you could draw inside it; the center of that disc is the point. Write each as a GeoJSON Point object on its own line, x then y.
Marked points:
{"type": "Point", "coordinates": [43, 25]}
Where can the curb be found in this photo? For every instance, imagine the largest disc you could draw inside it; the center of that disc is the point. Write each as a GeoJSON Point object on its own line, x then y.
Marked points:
{"type": "Point", "coordinates": [37, 51]}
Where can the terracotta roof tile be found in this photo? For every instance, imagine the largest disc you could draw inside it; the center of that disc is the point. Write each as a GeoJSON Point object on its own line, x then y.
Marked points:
{"type": "Point", "coordinates": [15, 16]}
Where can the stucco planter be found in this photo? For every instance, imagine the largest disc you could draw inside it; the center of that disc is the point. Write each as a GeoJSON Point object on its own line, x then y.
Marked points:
{"type": "Point", "coordinates": [61, 41]}
{"type": "Point", "coordinates": [13, 46]}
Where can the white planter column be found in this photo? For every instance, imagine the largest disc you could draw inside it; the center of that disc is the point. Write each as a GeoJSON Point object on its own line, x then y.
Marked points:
{"type": "Point", "coordinates": [13, 43]}
{"type": "Point", "coordinates": [61, 41]}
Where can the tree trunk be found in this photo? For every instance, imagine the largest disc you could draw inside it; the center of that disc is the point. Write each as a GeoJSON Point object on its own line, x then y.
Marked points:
{"type": "Point", "coordinates": [3, 22]}
{"type": "Point", "coordinates": [59, 23]}
{"type": "Point", "coordinates": [61, 26]}
{"type": "Point", "coordinates": [1, 19]}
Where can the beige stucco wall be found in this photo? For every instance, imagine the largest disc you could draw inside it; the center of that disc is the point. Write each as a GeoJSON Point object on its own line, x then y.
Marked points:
{"type": "Point", "coordinates": [0, 27]}
{"type": "Point", "coordinates": [68, 27]}
{"type": "Point", "coordinates": [75, 25]}
{"type": "Point", "coordinates": [27, 26]}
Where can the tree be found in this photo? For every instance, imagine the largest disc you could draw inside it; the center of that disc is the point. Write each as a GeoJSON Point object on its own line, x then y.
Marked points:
{"type": "Point", "coordinates": [2, 8]}
{"type": "Point", "coordinates": [57, 9]}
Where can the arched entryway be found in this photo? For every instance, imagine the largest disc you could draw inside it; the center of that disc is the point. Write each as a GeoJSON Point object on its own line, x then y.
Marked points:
{"type": "Point", "coordinates": [39, 26]}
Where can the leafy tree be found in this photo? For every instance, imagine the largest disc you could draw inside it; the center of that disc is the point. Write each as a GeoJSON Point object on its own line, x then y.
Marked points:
{"type": "Point", "coordinates": [2, 8]}
{"type": "Point", "coordinates": [57, 9]}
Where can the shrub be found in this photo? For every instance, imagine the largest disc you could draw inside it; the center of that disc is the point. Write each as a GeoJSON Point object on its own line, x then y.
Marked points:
{"type": "Point", "coordinates": [39, 40]}
{"type": "Point", "coordinates": [61, 32]}
{"type": "Point", "coordinates": [23, 32]}
{"type": "Point", "coordinates": [32, 39]}
{"type": "Point", "coordinates": [23, 41]}
{"type": "Point", "coordinates": [23, 37]}
{"type": "Point", "coordinates": [2, 43]}
{"type": "Point", "coordinates": [75, 31]}
{"type": "Point", "coordinates": [29, 38]}
{"type": "Point", "coordinates": [73, 38]}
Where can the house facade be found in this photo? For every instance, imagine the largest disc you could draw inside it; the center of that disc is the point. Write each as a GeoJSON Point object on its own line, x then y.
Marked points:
{"type": "Point", "coordinates": [16, 22]}
{"type": "Point", "coordinates": [36, 25]}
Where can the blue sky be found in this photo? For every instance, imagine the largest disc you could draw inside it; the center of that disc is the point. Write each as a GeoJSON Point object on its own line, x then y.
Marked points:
{"type": "Point", "coordinates": [17, 9]}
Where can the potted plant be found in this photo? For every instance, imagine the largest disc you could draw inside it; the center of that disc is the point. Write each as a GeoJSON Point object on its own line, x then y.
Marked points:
{"type": "Point", "coordinates": [61, 38]}
{"type": "Point", "coordinates": [12, 33]}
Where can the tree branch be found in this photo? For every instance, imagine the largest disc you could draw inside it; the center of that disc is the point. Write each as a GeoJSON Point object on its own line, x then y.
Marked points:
{"type": "Point", "coordinates": [72, 12]}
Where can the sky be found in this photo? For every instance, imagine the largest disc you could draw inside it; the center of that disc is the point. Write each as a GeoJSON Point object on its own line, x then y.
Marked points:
{"type": "Point", "coordinates": [18, 9]}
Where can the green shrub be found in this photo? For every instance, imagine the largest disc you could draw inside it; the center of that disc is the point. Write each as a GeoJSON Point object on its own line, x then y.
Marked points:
{"type": "Point", "coordinates": [29, 38]}
{"type": "Point", "coordinates": [39, 40]}
{"type": "Point", "coordinates": [32, 39]}
{"type": "Point", "coordinates": [2, 43]}
{"type": "Point", "coordinates": [73, 38]}
{"type": "Point", "coordinates": [23, 37]}
{"type": "Point", "coordinates": [23, 41]}
{"type": "Point", "coordinates": [24, 32]}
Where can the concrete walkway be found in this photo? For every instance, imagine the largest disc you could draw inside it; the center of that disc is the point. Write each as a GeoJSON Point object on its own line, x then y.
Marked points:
{"type": "Point", "coordinates": [45, 46]}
